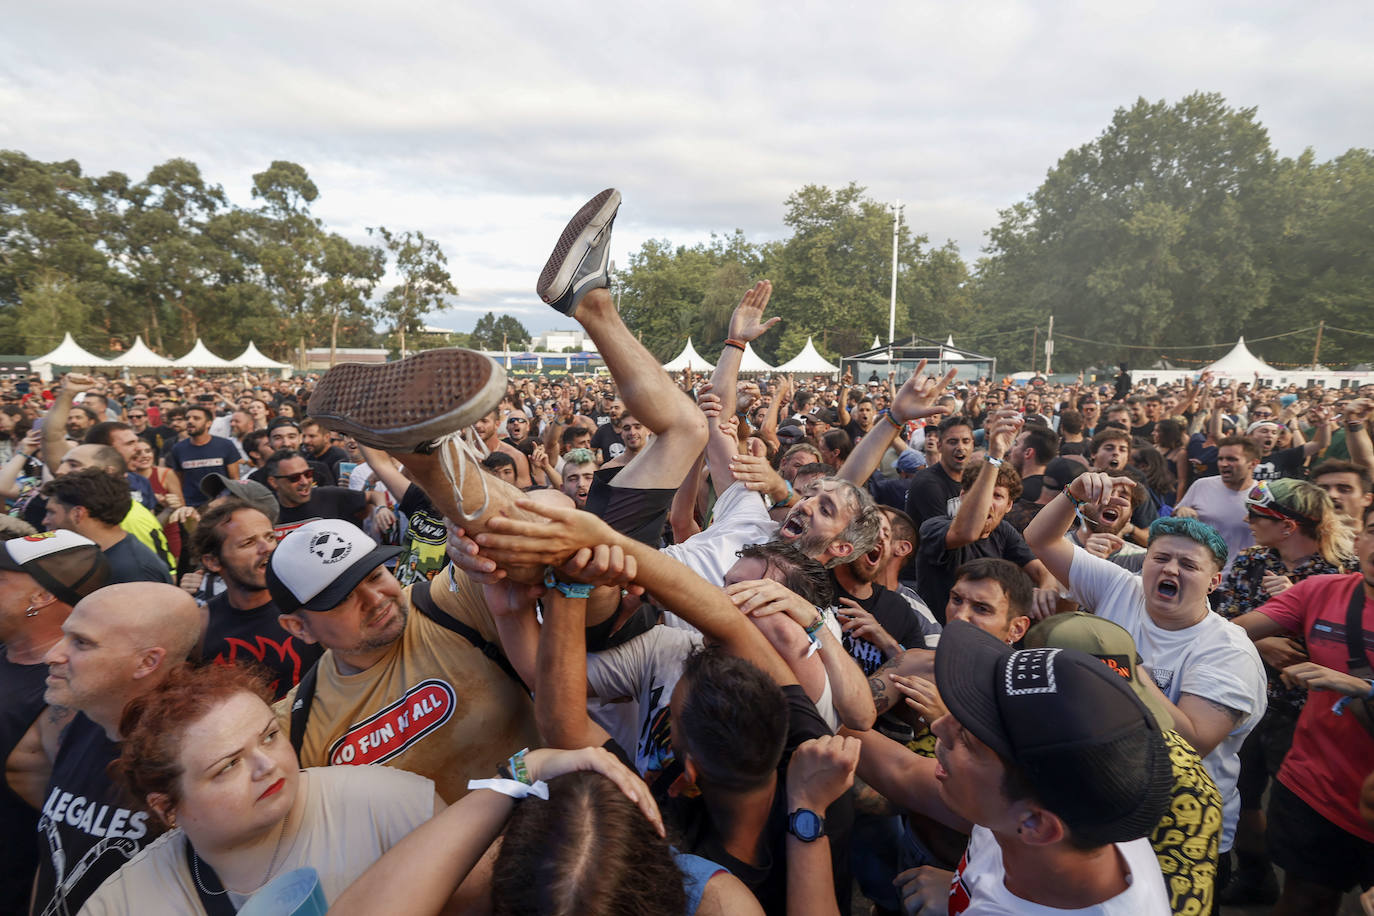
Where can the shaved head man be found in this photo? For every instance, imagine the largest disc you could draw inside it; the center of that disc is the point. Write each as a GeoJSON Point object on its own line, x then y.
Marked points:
{"type": "Point", "coordinates": [117, 644]}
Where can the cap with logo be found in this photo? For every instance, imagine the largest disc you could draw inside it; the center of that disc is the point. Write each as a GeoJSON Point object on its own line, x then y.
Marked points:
{"type": "Point", "coordinates": [1105, 641]}
{"type": "Point", "coordinates": [1088, 747]}
{"type": "Point", "coordinates": [65, 563]}
{"type": "Point", "coordinates": [316, 566]}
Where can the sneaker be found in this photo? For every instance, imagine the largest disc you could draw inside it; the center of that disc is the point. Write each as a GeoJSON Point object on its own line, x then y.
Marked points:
{"type": "Point", "coordinates": [407, 405]}
{"type": "Point", "coordinates": [579, 260]}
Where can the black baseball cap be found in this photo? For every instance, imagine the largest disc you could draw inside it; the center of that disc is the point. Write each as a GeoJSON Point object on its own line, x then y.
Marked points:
{"type": "Point", "coordinates": [1088, 747]}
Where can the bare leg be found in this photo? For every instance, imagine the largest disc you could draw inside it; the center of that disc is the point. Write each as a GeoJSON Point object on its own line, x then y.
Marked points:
{"type": "Point", "coordinates": [650, 397]}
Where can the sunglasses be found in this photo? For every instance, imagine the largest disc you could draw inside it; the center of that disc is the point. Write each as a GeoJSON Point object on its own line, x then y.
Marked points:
{"type": "Point", "coordinates": [1261, 503]}
{"type": "Point", "coordinates": [307, 474]}
{"type": "Point", "coordinates": [136, 416]}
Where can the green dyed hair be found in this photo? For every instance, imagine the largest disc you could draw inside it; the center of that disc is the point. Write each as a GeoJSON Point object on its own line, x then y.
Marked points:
{"type": "Point", "coordinates": [1193, 530]}
{"type": "Point", "coordinates": [579, 456]}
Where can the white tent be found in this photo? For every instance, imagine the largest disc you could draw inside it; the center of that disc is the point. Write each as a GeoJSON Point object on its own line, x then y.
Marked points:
{"type": "Point", "coordinates": [252, 358]}
{"type": "Point", "coordinates": [949, 353]}
{"type": "Point", "coordinates": [752, 362]}
{"type": "Point", "coordinates": [140, 356]}
{"type": "Point", "coordinates": [689, 358]}
{"type": "Point", "coordinates": [68, 353]}
{"type": "Point", "coordinates": [809, 362]}
{"type": "Point", "coordinates": [876, 342]}
{"type": "Point", "coordinates": [1239, 363]}
{"type": "Point", "coordinates": [200, 357]}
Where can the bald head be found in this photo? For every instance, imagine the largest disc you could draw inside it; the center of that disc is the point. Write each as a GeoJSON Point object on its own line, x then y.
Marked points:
{"type": "Point", "coordinates": [120, 642]}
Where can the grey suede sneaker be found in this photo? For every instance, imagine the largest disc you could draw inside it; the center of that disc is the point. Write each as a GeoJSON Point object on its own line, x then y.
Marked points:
{"type": "Point", "coordinates": [579, 260]}
{"type": "Point", "coordinates": [406, 405]}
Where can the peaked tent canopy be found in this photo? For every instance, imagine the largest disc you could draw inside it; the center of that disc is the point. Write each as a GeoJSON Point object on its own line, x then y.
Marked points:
{"type": "Point", "coordinates": [69, 354]}
{"type": "Point", "coordinates": [752, 362]}
{"type": "Point", "coordinates": [200, 357]}
{"type": "Point", "coordinates": [809, 361]}
{"type": "Point", "coordinates": [1239, 362]}
{"type": "Point", "coordinates": [252, 358]}
{"type": "Point", "coordinates": [950, 352]}
{"type": "Point", "coordinates": [689, 358]}
{"type": "Point", "coordinates": [141, 356]}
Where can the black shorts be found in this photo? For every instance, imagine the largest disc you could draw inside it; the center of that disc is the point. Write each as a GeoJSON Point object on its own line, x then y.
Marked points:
{"type": "Point", "coordinates": [1262, 754]}
{"type": "Point", "coordinates": [637, 514]}
{"type": "Point", "coordinates": [1310, 848]}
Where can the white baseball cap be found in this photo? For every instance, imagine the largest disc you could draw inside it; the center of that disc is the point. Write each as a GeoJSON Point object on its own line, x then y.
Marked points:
{"type": "Point", "coordinates": [319, 563]}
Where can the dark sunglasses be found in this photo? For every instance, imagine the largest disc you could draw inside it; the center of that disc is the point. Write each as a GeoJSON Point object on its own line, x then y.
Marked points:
{"type": "Point", "coordinates": [136, 416]}
{"type": "Point", "coordinates": [307, 474]}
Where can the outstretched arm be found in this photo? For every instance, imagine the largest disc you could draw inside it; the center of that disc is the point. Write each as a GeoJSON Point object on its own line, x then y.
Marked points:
{"type": "Point", "coordinates": [55, 423]}
{"type": "Point", "coordinates": [1045, 534]}
{"type": "Point", "coordinates": [746, 324]}
{"type": "Point", "coordinates": [975, 505]}
{"type": "Point", "coordinates": [915, 401]}
{"type": "Point", "coordinates": [386, 471]}
{"type": "Point", "coordinates": [562, 532]}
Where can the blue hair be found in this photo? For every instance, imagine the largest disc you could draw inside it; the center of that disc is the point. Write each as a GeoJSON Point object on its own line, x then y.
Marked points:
{"type": "Point", "coordinates": [1193, 530]}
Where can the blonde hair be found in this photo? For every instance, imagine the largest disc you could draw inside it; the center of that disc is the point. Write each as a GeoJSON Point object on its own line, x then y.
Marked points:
{"type": "Point", "coordinates": [1335, 540]}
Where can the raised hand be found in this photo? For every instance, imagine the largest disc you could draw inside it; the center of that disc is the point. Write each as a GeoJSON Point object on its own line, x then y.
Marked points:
{"type": "Point", "coordinates": [820, 771]}
{"type": "Point", "coordinates": [746, 322]}
{"type": "Point", "coordinates": [917, 396]}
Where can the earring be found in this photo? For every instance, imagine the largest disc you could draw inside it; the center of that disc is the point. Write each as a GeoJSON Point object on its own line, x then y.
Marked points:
{"type": "Point", "coordinates": [171, 822]}
{"type": "Point", "coordinates": [31, 611]}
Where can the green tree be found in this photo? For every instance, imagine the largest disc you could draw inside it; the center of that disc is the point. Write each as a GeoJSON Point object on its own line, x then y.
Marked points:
{"type": "Point", "coordinates": [495, 333]}
{"type": "Point", "coordinates": [424, 281]}
{"type": "Point", "coordinates": [1155, 234]}
{"type": "Point", "coordinates": [348, 275]}
{"type": "Point", "coordinates": [288, 247]}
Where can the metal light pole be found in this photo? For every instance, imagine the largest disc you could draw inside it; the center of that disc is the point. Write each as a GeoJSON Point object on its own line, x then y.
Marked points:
{"type": "Point", "coordinates": [892, 308]}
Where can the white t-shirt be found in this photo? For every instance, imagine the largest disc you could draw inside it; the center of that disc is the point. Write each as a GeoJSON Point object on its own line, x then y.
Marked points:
{"type": "Point", "coordinates": [1213, 659]}
{"type": "Point", "coordinates": [739, 518]}
{"type": "Point", "coordinates": [353, 815]}
{"type": "Point", "coordinates": [1224, 509]}
{"type": "Point", "coordinates": [979, 887]}
{"type": "Point", "coordinates": [643, 670]}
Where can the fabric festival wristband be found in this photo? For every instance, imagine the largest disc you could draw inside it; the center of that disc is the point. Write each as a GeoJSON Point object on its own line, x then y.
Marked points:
{"type": "Point", "coordinates": [511, 788]}
{"type": "Point", "coordinates": [816, 624]}
{"type": "Point", "coordinates": [814, 647]}
{"type": "Point", "coordinates": [734, 343]}
{"type": "Point", "coordinates": [895, 425]}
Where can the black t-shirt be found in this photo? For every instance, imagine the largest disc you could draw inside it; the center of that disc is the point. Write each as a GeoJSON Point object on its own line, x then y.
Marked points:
{"type": "Point", "coordinates": [936, 563]}
{"type": "Point", "coordinates": [326, 502]}
{"type": "Point", "coordinates": [1030, 487]}
{"type": "Point", "coordinates": [892, 613]}
{"type": "Point", "coordinates": [855, 431]}
{"type": "Point", "coordinates": [930, 493]}
{"type": "Point", "coordinates": [768, 880]}
{"type": "Point", "coordinates": [1144, 430]}
{"type": "Point", "coordinates": [608, 442]}
{"type": "Point", "coordinates": [1287, 462]}
{"type": "Point", "coordinates": [88, 827]}
{"type": "Point", "coordinates": [236, 636]}
{"type": "Point", "coordinates": [22, 687]}
{"type": "Point", "coordinates": [131, 561]}
{"type": "Point", "coordinates": [331, 458]}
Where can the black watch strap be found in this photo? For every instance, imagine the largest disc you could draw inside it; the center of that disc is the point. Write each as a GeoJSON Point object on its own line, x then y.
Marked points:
{"type": "Point", "coordinates": [806, 825]}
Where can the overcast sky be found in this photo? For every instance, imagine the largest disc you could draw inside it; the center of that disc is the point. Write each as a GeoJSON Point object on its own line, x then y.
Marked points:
{"type": "Point", "coordinates": [486, 124]}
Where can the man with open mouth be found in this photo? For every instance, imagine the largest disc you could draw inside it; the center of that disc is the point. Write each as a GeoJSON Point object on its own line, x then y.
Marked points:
{"type": "Point", "coordinates": [1209, 674]}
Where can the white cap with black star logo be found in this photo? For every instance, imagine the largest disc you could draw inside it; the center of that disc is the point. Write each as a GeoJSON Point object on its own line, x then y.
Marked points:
{"type": "Point", "coordinates": [316, 566]}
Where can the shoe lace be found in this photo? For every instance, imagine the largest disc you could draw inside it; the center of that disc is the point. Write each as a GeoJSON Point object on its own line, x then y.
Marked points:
{"type": "Point", "coordinates": [457, 476]}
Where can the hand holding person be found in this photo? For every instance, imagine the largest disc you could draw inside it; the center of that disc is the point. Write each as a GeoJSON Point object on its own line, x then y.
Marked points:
{"type": "Point", "coordinates": [545, 763]}
{"type": "Point", "coordinates": [1275, 585]}
{"type": "Point", "coordinates": [1311, 676]}
{"type": "Point", "coordinates": [758, 475]}
{"type": "Point", "coordinates": [1280, 652]}
{"type": "Point", "coordinates": [924, 890]}
{"type": "Point", "coordinates": [860, 624]}
{"type": "Point", "coordinates": [921, 695]}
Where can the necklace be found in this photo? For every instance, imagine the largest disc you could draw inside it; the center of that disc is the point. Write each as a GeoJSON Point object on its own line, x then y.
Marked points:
{"type": "Point", "coordinates": [271, 866]}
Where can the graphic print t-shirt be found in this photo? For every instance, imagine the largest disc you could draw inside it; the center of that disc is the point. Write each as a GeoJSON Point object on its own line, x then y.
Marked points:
{"type": "Point", "coordinates": [254, 636]}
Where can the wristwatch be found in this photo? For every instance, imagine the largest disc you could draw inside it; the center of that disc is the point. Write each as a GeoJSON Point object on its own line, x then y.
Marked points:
{"type": "Point", "coordinates": [806, 825]}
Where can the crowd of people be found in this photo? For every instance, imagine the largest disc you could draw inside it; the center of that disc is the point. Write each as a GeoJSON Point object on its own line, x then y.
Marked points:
{"type": "Point", "coordinates": [633, 643]}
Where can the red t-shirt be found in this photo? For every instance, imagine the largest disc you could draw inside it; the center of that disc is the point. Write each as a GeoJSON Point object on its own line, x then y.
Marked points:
{"type": "Point", "coordinates": [1331, 754]}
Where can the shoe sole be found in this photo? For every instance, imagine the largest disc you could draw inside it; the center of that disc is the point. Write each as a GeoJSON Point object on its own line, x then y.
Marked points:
{"type": "Point", "coordinates": [398, 406]}
{"type": "Point", "coordinates": [579, 236]}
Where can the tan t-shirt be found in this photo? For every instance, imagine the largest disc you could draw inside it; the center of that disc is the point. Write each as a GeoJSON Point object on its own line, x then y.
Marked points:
{"type": "Point", "coordinates": [352, 815]}
{"type": "Point", "coordinates": [435, 705]}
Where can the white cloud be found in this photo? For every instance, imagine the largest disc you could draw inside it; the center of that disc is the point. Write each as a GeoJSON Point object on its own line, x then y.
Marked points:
{"type": "Point", "coordinates": [486, 124]}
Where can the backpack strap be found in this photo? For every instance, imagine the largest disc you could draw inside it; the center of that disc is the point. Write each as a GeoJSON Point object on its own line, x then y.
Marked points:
{"type": "Point", "coordinates": [300, 708]}
{"type": "Point", "coordinates": [423, 601]}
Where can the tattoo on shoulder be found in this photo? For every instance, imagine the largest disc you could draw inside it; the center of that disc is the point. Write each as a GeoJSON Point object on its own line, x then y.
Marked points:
{"type": "Point", "coordinates": [1234, 714]}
